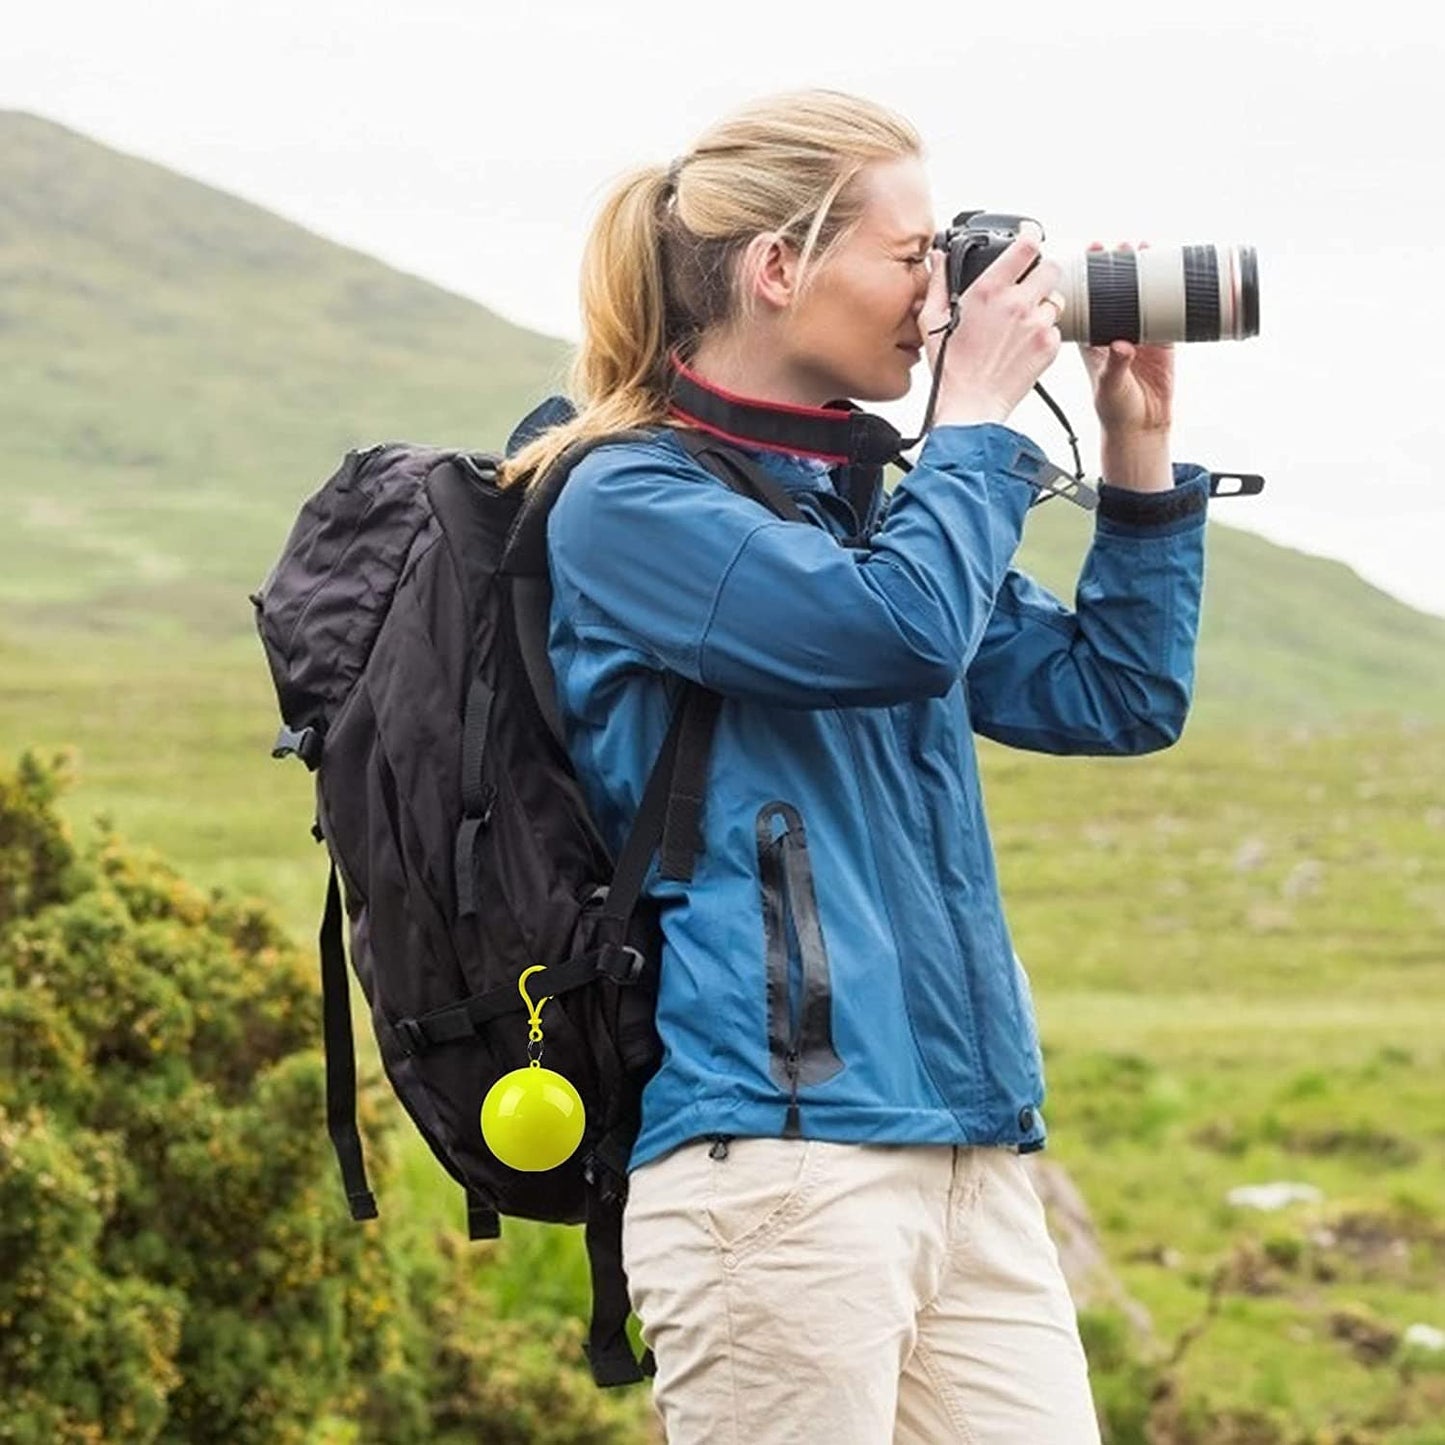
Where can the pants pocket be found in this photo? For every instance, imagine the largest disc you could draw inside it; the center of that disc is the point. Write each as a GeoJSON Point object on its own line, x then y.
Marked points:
{"type": "Point", "coordinates": [757, 1190]}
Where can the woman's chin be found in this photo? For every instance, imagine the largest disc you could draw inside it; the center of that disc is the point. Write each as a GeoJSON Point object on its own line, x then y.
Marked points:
{"type": "Point", "coordinates": [885, 388]}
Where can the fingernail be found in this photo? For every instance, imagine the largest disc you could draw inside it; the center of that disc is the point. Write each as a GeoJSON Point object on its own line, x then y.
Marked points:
{"type": "Point", "coordinates": [1032, 230]}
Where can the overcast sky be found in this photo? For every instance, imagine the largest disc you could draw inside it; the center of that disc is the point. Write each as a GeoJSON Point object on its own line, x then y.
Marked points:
{"type": "Point", "coordinates": [470, 142]}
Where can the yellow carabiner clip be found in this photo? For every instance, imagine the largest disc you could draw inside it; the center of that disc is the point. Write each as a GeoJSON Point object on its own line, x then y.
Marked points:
{"type": "Point", "coordinates": [534, 1010]}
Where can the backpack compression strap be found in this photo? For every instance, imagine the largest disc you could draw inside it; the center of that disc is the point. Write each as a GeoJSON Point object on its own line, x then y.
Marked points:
{"type": "Point", "coordinates": [341, 1059]}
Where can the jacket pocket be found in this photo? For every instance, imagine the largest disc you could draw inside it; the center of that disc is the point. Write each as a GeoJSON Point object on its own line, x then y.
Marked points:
{"type": "Point", "coordinates": [799, 986]}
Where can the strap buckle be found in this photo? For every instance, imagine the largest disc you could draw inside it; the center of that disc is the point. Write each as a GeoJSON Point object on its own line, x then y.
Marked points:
{"type": "Point", "coordinates": [409, 1036]}
{"type": "Point", "coordinates": [622, 963]}
{"type": "Point", "coordinates": [604, 1170]}
{"type": "Point", "coordinates": [304, 742]}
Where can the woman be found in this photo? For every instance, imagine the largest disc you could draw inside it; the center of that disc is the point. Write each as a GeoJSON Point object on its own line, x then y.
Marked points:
{"type": "Point", "coordinates": [830, 1235]}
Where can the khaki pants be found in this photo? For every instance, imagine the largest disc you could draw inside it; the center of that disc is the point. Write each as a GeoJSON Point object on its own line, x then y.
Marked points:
{"type": "Point", "coordinates": [853, 1294]}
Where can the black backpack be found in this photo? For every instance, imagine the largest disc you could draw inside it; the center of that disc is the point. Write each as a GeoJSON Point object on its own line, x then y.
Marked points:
{"type": "Point", "coordinates": [405, 625]}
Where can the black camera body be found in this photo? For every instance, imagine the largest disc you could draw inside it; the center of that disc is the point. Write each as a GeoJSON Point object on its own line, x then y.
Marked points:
{"type": "Point", "coordinates": [974, 241]}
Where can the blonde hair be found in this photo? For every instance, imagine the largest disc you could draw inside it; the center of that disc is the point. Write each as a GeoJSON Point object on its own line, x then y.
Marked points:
{"type": "Point", "coordinates": [661, 264]}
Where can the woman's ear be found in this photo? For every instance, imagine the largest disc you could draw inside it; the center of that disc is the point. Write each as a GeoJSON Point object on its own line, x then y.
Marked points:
{"type": "Point", "coordinates": [770, 270]}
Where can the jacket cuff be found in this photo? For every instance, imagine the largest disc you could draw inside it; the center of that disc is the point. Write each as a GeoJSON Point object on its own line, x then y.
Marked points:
{"type": "Point", "coordinates": [1126, 513]}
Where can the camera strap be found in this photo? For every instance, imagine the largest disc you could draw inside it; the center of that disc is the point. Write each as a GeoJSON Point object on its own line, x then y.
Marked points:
{"type": "Point", "coordinates": [838, 433]}
{"type": "Point", "coordinates": [1052, 481]}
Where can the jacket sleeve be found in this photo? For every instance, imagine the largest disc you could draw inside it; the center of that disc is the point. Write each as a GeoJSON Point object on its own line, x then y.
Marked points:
{"type": "Point", "coordinates": [1116, 674]}
{"type": "Point", "coordinates": [648, 549]}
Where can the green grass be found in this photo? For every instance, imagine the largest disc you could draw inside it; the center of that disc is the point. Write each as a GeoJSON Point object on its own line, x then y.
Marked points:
{"type": "Point", "coordinates": [1236, 951]}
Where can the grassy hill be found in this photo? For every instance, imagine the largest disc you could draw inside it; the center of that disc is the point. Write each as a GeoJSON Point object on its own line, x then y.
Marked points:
{"type": "Point", "coordinates": [1235, 945]}
{"type": "Point", "coordinates": [1285, 637]}
{"type": "Point", "coordinates": [182, 368]}
{"type": "Point", "coordinates": [186, 367]}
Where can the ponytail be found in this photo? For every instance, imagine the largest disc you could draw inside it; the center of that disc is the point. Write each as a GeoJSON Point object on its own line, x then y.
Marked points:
{"type": "Point", "coordinates": [661, 265]}
{"type": "Point", "coordinates": [619, 372]}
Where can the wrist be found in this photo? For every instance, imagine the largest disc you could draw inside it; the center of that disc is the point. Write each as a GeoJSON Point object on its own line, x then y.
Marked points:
{"type": "Point", "coordinates": [970, 410]}
{"type": "Point", "coordinates": [1137, 460]}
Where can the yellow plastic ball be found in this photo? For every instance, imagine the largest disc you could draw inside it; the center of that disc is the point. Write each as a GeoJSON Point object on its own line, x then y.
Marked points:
{"type": "Point", "coordinates": [533, 1119]}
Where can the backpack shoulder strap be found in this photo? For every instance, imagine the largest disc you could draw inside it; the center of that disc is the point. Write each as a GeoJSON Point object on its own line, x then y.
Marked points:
{"type": "Point", "coordinates": [671, 807]}
{"type": "Point", "coordinates": [525, 566]}
{"type": "Point", "coordinates": [341, 1059]}
{"type": "Point", "coordinates": [740, 472]}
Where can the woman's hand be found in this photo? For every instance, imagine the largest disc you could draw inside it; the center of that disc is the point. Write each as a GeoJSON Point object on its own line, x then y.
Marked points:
{"type": "Point", "coordinates": [1007, 333]}
{"type": "Point", "coordinates": [1133, 385]}
{"type": "Point", "coordinates": [1134, 399]}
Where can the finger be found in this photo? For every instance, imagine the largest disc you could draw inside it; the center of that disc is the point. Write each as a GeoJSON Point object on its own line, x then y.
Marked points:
{"type": "Point", "coordinates": [1093, 360]}
{"type": "Point", "coordinates": [1011, 265]}
{"type": "Point", "coordinates": [1118, 360]}
{"type": "Point", "coordinates": [1055, 301]}
{"type": "Point", "coordinates": [1108, 362]}
{"type": "Point", "coordinates": [933, 318]}
{"type": "Point", "coordinates": [938, 274]}
{"type": "Point", "coordinates": [1047, 276]}
{"type": "Point", "coordinates": [935, 301]}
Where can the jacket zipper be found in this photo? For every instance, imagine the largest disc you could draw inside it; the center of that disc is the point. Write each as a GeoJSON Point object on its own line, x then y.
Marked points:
{"type": "Point", "coordinates": [793, 1124]}
{"type": "Point", "coordinates": [797, 986]}
{"type": "Point", "coordinates": [800, 1036]}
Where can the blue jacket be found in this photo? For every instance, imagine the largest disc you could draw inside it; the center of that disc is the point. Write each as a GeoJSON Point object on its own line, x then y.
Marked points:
{"type": "Point", "coordinates": [840, 965]}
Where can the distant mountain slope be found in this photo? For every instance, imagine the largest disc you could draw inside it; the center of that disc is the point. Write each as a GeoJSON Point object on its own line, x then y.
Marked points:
{"type": "Point", "coordinates": [183, 367]}
{"type": "Point", "coordinates": [1286, 637]}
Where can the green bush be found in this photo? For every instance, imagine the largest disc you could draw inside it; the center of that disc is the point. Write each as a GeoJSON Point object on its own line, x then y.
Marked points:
{"type": "Point", "coordinates": [175, 1261]}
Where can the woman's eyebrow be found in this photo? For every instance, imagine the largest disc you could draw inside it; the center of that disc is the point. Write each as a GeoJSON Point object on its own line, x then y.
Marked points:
{"type": "Point", "coordinates": [918, 238]}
